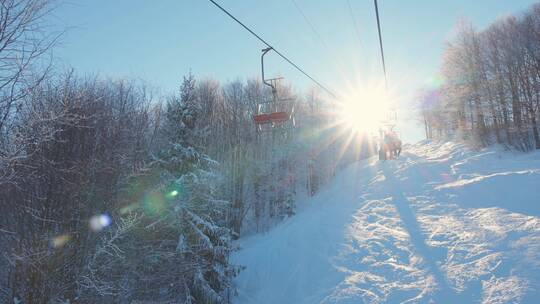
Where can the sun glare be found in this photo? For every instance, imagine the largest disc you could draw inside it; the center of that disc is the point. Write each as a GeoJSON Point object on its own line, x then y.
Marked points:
{"type": "Point", "coordinates": [365, 109]}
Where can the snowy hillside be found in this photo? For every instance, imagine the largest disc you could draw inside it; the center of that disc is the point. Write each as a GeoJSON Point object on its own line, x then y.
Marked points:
{"type": "Point", "coordinates": [442, 224]}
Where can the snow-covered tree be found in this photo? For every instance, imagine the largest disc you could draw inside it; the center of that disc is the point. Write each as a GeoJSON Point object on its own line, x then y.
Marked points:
{"type": "Point", "coordinates": [490, 91]}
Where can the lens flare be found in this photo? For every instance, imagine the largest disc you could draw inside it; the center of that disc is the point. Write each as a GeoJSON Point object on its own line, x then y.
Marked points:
{"type": "Point", "coordinates": [100, 222]}
{"type": "Point", "coordinates": [154, 203]}
{"type": "Point", "coordinates": [60, 241]}
{"type": "Point", "coordinates": [175, 191]}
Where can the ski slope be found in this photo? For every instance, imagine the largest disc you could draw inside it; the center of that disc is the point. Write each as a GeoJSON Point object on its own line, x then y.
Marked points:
{"type": "Point", "coordinates": [442, 224]}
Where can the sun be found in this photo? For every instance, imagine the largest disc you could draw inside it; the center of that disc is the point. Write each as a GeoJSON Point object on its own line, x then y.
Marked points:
{"type": "Point", "coordinates": [364, 109]}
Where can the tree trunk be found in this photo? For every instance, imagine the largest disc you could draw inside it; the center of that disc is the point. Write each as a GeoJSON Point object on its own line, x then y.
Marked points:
{"type": "Point", "coordinates": [516, 107]}
{"type": "Point", "coordinates": [535, 131]}
{"type": "Point", "coordinates": [426, 128]}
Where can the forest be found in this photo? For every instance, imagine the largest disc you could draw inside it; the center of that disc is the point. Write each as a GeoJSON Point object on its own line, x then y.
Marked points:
{"type": "Point", "coordinates": [490, 90]}
{"type": "Point", "coordinates": [111, 193]}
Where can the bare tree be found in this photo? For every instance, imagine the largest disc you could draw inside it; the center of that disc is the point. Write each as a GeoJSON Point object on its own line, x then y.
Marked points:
{"type": "Point", "coordinates": [24, 45]}
{"type": "Point", "coordinates": [492, 82]}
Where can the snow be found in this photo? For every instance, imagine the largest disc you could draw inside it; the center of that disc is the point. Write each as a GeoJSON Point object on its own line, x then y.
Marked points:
{"type": "Point", "coordinates": [441, 224]}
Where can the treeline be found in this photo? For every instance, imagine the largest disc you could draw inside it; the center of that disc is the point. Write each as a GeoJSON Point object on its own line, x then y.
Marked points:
{"type": "Point", "coordinates": [112, 194]}
{"type": "Point", "coordinates": [265, 171]}
{"type": "Point", "coordinates": [262, 171]}
{"type": "Point", "coordinates": [102, 203]}
{"type": "Point", "coordinates": [491, 84]}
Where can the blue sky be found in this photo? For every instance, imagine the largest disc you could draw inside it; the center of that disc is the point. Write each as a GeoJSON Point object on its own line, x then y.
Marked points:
{"type": "Point", "coordinates": [159, 41]}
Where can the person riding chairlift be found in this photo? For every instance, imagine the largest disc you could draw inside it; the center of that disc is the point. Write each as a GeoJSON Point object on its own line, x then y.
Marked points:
{"type": "Point", "coordinates": [389, 144]}
{"type": "Point", "coordinates": [395, 144]}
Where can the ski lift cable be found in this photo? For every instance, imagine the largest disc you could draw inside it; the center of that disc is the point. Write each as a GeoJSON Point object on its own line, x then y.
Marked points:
{"type": "Point", "coordinates": [355, 23]}
{"type": "Point", "coordinates": [311, 25]}
{"type": "Point", "coordinates": [381, 42]}
{"type": "Point", "coordinates": [393, 110]}
{"type": "Point", "coordinates": [275, 50]}
{"type": "Point", "coordinates": [338, 63]}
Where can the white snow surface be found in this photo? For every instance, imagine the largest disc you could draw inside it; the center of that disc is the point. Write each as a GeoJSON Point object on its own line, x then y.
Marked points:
{"type": "Point", "coordinates": [443, 224]}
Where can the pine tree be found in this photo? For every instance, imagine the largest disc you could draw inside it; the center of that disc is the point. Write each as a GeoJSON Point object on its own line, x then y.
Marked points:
{"type": "Point", "coordinates": [190, 178]}
{"type": "Point", "coordinates": [178, 239]}
{"type": "Point", "coordinates": [183, 115]}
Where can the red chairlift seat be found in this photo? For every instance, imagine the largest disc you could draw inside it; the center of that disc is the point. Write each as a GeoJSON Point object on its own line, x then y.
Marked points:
{"type": "Point", "coordinates": [279, 116]}
{"type": "Point", "coordinates": [261, 119]}
{"type": "Point", "coordinates": [275, 117]}
{"type": "Point", "coordinates": [276, 112]}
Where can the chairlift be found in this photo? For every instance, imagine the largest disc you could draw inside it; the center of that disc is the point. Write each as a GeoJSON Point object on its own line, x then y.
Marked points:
{"type": "Point", "coordinates": [389, 140]}
{"type": "Point", "coordinates": [277, 113]}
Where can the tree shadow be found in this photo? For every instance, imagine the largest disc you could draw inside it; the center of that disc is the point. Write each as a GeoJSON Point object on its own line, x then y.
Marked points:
{"type": "Point", "coordinates": [430, 255]}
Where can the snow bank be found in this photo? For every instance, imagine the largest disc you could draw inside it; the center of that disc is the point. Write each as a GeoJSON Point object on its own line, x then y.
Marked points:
{"type": "Point", "coordinates": [442, 224]}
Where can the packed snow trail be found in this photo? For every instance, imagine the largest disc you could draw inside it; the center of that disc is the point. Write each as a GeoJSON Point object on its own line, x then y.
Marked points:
{"type": "Point", "coordinates": [442, 224]}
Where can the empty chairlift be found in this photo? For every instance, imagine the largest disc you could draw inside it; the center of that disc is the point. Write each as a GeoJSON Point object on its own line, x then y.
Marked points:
{"type": "Point", "coordinates": [277, 113]}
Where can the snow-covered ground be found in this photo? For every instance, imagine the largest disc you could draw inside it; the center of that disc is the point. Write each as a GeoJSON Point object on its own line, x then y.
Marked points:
{"type": "Point", "coordinates": [442, 224]}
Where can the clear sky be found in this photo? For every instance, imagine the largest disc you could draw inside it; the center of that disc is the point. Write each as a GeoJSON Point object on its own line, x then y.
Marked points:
{"type": "Point", "coordinates": [159, 41]}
